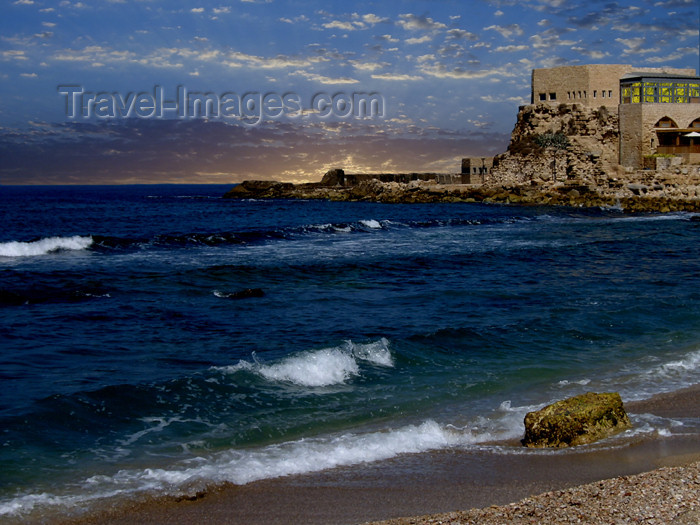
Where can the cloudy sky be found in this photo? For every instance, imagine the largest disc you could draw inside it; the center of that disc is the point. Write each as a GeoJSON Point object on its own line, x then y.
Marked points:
{"type": "Point", "coordinates": [147, 91]}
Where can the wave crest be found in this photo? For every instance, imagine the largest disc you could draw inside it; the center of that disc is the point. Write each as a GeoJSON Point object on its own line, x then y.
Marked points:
{"type": "Point", "coordinates": [319, 368]}
{"type": "Point", "coordinates": [44, 246]}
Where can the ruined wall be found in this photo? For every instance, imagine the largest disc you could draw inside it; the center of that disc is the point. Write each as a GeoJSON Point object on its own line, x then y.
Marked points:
{"type": "Point", "coordinates": [338, 177]}
{"type": "Point", "coordinates": [476, 169]}
{"type": "Point", "coordinates": [568, 143]}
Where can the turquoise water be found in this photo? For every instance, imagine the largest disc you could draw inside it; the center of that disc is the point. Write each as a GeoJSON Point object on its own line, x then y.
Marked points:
{"type": "Point", "coordinates": [133, 359]}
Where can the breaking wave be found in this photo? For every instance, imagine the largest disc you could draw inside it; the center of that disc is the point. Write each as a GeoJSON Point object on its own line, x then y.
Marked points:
{"type": "Point", "coordinates": [242, 466]}
{"type": "Point", "coordinates": [44, 246]}
{"type": "Point", "coordinates": [319, 368]}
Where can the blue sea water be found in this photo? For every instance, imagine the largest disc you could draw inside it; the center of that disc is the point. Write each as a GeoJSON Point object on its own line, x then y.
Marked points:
{"type": "Point", "coordinates": [135, 360]}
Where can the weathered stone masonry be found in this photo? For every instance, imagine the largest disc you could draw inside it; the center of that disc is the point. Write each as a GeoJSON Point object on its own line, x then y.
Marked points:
{"type": "Point", "coordinates": [641, 137]}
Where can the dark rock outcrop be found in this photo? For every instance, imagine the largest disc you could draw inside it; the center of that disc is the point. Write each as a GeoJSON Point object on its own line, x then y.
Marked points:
{"type": "Point", "coordinates": [243, 294]}
{"type": "Point", "coordinates": [335, 177]}
{"type": "Point", "coordinates": [571, 194]}
{"type": "Point", "coordinates": [576, 421]}
{"type": "Point", "coordinates": [260, 189]}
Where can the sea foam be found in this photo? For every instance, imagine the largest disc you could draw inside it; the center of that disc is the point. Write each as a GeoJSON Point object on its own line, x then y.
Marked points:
{"type": "Point", "coordinates": [242, 466]}
{"type": "Point", "coordinates": [319, 368]}
{"type": "Point", "coordinates": [43, 246]}
{"type": "Point", "coordinates": [372, 224]}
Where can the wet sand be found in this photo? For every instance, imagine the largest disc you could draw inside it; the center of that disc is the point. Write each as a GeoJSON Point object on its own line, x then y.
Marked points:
{"type": "Point", "coordinates": [422, 484]}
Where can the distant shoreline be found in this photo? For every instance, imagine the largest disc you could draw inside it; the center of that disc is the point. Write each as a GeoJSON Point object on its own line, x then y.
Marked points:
{"type": "Point", "coordinates": [430, 192]}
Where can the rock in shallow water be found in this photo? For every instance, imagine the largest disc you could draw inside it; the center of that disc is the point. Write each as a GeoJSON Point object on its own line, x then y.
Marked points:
{"type": "Point", "coordinates": [576, 421]}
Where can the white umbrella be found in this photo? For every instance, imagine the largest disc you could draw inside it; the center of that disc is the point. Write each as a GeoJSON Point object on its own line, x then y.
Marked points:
{"type": "Point", "coordinates": [692, 134]}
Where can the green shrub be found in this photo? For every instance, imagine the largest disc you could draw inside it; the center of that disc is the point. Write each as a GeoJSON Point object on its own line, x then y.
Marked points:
{"type": "Point", "coordinates": [552, 140]}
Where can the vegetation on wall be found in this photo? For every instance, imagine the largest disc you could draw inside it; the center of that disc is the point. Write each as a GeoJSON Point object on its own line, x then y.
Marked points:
{"type": "Point", "coordinates": [552, 140]}
{"type": "Point", "coordinates": [538, 142]}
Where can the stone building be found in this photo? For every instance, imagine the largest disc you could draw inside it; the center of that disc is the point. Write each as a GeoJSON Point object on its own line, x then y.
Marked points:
{"type": "Point", "coordinates": [616, 117]}
{"type": "Point", "coordinates": [475, 169]}
{"type": "Point", "coordinates": [659, 114]}
{"type": "Point", "coordinates": [592, 85]}
{"type": "Point", "coordinates": [658, 108]}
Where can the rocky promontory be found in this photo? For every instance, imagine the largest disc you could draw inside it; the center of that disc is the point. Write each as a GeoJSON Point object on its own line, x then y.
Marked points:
{"type": "Point", "coordinates": [558, 156]}
{"type": "Point", "coordinates": [431, 192]}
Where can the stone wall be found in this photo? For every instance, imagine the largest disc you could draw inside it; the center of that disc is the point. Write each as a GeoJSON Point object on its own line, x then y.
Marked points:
{"type": "Point", "coordinates": [583, 159]}
{"type": "Point", "coordinates": [476, 169]}
{"type": "Point", "coordinates": [638, 136]}
{"type": "Point", "coordinates": [338, 177]}
{"type": "Point", "coordinates": [591, 85]}
{"type": "Point", "coordinates": [565, 144]}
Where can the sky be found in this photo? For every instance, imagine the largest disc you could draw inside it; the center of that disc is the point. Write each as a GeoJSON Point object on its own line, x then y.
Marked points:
{"type": "Point", "coordinates": [156, 91]}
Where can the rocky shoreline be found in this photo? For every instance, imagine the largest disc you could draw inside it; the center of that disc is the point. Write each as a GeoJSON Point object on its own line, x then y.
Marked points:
{"type": "Point", "coordinates": [631, 200]}
{"type": "Point", "coordinates": [566, 155]}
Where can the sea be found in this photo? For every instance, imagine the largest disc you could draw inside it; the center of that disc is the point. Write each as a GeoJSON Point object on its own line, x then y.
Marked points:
{"type": "Point", "coordinates": [162, 340]}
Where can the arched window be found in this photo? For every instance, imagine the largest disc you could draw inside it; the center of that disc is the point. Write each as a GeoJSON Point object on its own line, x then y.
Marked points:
{"type": "Point", "coordinates": [695, 123]}
{"type": "Point", "coordinates": [666, 122]}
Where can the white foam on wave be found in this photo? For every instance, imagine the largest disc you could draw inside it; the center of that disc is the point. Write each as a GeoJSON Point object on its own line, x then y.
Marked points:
{"type": "Point", "coordinates": [690, 363]}
{"type": "Point", "coordinates": [371, 223]}
{"type": "Point", "coordinates": [580, 382]}
{"type": "Point", "coordinates": [641, 381]}
{"type": "Point", "coordinates": [242, 466]}
{"type": "Point", "coordinates": [319, 368]}
{"type": "Point", "coordinates": [44, 246]}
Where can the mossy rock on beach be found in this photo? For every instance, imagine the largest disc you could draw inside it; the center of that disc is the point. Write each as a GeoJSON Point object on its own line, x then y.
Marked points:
{"type": "Point", "coordinates": [576, 421]}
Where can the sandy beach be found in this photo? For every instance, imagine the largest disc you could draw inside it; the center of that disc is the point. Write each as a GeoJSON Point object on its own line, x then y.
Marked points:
{"type": "Point", "coordinates": [648, 480]}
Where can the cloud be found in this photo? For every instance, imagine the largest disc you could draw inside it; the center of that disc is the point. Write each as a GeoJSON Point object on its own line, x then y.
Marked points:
{"type": "Point", "coordinates": [500, 100]}
{"type": "Point", "coordinates": [549, 39]}
{"type": "Point", "coordinates": [605, 15]}
{"type": "Point", "coordinates": [151, 151]}
{"type": "Point", "coordinates": [552, 3]}
{"type": "Point", "coordinates": [413, 22]}
{"type": "Point", "coordinates": [367, 66]}
{"type": "Point", "coordinates": [92, 55]}
{"type": "Point", "coordinates": [511, 48]}
{"type": "Point", "coordinates": [13, 54]}
{"type": "Point", "coordinates": [591, 53]}
{"type": "Point", "coordinates": [680, 53]}
{"type": "Point", "coordinates": [77, 5]}
{"type": "Point", "coordinates": [506, 31]}
{"type": "Point", "coordinates": [176, 58]}
{"type": "Point", "coordinates": [356, 22]}
{"type": "Point", "coordinates": [373, 19]}
{"type": "Point", "coordinates": [395, 76]}
{"type": "Point", "coordinates": [238, 59]}
{"type": "Point", "coordinates": [420, 40]}
{"type": "Point", "coordinates": [336, 24]}
{"type": "Point", "coordinates": [324, 79]}
{"type": "Point", "coordinates": [633, 46]}
{"type": "Point", "coordinates": [296, 19]}
{"type": "Point", "coordinates": [460, 34]}
{"type": "Point", "coordinates": [443, 71]}
{"type": "Point", "coordinates": [386, 38]}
